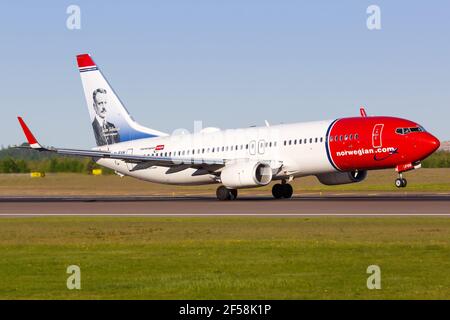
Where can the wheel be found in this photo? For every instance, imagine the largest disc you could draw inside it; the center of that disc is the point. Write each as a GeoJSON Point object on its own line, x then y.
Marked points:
{"type": "Point", "coordinates": [233, 193]}
{"type": "Point", "coordinates": [399, 183]}
{"type": "Point", "coordinates": [404, 183]}
{"type": "Point", "coordinates": [223, 193]}
{"type": "Point", "coordinates": [277, 191]}
{"type": "Point", "coordinates": [287, 191]}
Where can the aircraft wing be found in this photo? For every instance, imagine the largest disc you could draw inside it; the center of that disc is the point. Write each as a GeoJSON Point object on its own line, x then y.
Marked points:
{"type": "Point", "coordinates": [142, 162]}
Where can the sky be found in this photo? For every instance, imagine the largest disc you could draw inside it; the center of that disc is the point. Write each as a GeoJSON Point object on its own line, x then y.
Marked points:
{"type": "Point", "coordinates": [227, 63]}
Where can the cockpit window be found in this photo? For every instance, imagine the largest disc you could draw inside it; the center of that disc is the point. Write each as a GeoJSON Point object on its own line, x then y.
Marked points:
{"type": "Point", "coordinates": [409, 130]}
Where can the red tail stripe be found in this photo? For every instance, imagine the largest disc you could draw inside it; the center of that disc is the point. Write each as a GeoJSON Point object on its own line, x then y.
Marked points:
{"type": "Point", "coordinates": [84, 60]}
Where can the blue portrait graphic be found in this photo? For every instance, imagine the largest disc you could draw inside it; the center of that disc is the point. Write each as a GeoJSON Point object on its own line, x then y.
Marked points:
{"type": "Point", "coordinates": [105, 132]}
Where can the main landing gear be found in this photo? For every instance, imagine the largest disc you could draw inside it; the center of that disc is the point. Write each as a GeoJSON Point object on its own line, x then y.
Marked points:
{"type": "Point", "coordinates": [400, 182]}
{"type": "Point", "coordinates": [223, 193]}
{"type": "Point", "coordinates": [282, 190]}
{"type": "Point", "coordinates": [279, 190]}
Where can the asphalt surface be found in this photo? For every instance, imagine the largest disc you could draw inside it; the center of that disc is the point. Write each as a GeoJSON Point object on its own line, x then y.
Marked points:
{"type": "Point", "coordinates": [334, 205]}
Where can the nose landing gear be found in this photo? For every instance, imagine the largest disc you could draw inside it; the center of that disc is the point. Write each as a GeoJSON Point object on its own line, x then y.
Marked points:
{"type": "Point", "coordinates": [400, 182]}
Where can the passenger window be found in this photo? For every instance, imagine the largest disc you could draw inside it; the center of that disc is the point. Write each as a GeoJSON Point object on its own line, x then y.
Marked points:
{"type": "Point", "coordinates": [310, 140]}
{"type": "Point", "coordinates": [321, 139]}
{"type": "Point", "coordinates": [356, 136]}
{"type": "Point", "coordinates": [300, 141]}
{"type": "Point", "coordinates": [315, 140]}
{"type": "Point", "coordinates": [351, 137]}
{"type": "Point", "coordinates": [346, 137]}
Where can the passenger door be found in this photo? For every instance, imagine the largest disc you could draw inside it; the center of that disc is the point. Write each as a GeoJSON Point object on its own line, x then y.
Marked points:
{"type": "Point", "coordinates": [252, 148]}
{"type": "Point", "coordinates": [261, 146]}
{"type": "Point", "coordinates": [376, 135]}
{"type": "Point", "coordinates": [130, 166]}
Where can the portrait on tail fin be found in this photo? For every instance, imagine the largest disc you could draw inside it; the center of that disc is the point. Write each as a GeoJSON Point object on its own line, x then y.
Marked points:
{"type": "Point", "coordinates": [105, 132]}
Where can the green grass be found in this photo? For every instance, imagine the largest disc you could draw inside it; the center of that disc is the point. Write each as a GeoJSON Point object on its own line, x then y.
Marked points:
{"type": "Point", "coordinates": [430, 180]}
{"type": "Point", "coordinates": [230, 258]}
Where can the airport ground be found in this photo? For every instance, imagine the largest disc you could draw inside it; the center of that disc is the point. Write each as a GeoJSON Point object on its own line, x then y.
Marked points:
{"type": "Point", "coordinates": [272, 256]}
{"type": "Point", "coordinates": [64, 184]}
{"type": "Point", "coordinates": [225, 258]}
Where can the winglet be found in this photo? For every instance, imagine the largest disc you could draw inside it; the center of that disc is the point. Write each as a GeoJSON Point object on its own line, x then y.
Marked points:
{"type": "Point", "coordinates": [362, 111]}
{"type": "Point", "coordinates": [30, 137]}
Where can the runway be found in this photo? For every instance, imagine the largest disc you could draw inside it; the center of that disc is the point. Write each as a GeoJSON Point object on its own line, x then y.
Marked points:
{"type": "Point", "coordinates": [299, 206]}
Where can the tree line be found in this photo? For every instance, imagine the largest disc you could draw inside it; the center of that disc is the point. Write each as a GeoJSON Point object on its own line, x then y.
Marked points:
{"type": "Point", "coordinates": [13, 160]}
{"type": "Point", "coordinates": [439, 159]}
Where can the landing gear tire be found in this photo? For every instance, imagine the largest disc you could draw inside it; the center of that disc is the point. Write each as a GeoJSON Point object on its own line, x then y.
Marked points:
{"type": "Point", "coordinates": [282, 191]}
{"type": "Point", "coordinates": [287, 191]}
{"type": "Point", "coordinates": [223, 193]}
{"type": "Point", "coordinates": [277, 191]}
{"type": "Point", "coordinates": [401, 183]}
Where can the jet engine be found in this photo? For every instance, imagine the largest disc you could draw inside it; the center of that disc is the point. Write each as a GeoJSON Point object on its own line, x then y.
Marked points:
{"type": "Point", "coordinates": [335, 178]}
{"type": "Point", "coordinates": [246, 174]}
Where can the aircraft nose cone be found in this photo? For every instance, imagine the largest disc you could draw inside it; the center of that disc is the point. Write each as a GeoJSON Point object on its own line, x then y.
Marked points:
{"type": "Point", "coordinates": [433, 143]}
{"type": "Point", "coordinates": [429, 144]}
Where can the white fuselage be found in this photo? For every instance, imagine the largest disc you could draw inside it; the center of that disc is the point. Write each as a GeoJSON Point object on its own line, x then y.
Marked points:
{"type": "Point", "coordinates": [271, 144]}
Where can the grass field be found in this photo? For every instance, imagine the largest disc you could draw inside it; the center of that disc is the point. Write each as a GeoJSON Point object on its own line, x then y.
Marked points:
{"type": "Point", "coordinates": [222, 258]}
{"type": "Point", "coordinates": [428, 180]}
{"type": "Point", "coordinates": [231, 258]}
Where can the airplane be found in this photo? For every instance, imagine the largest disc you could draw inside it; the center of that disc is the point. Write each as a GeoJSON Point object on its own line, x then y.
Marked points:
{"type": "Point", "coordinates": [336, 151]}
